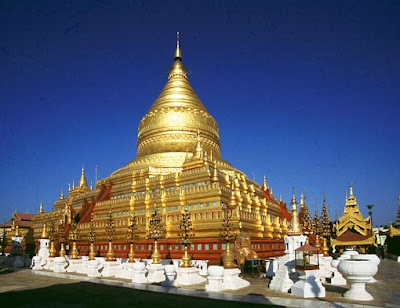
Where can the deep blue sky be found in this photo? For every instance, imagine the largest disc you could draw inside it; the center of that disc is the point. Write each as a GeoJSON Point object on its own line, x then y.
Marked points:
{"type": "Point", "coordinates": [304, 92]}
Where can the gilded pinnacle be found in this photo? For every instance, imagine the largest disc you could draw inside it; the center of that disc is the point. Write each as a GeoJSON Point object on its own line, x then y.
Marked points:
{"type": "Point", "coordinates": [178, 54]}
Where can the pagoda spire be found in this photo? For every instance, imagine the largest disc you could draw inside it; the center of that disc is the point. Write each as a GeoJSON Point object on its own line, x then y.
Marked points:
{"type": "Point", "coordinates": [178, 54]}
{"type": "Point", "coordinates": [41, 208]}
{"type": "Point", "coordinates": [326, 230]}
{"type": "Point", "coordinates": [82, 181]}
{"type": "Point", "coordinates": [62, 194]}
{"type": "Point", "coordinates": [295, 228]}
{"type": "Point", "coordinates": [265, 185]}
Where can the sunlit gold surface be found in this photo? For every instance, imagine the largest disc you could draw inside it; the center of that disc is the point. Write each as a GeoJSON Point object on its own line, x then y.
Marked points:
{"type": "Point", "coordinates": [62, 250]}
{"type": "Point", "coordinates": [52, 250]}
{"type": "Point", "coordinates": [186, 258]}
{"type": "Point", "coordinates": [75, 254]}
{"type": "Point", "coordinates": [155, 256]}
{"type": "Point", "coordinates": [110, 253]}
{"type": "Point", "coordinates": [131, 254]}
{"type": "Point", "coordinates": [92, 253]}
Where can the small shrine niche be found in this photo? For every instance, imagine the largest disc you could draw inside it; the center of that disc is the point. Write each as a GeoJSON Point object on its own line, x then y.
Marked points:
{"type": "Point", "coordinates": [306, 258]}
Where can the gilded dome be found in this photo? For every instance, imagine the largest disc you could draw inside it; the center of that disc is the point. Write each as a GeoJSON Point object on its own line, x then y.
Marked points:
{"type": "Point", "coordinates": [175, 117]}
{"type": "Point", "coordinates": [174, 124]}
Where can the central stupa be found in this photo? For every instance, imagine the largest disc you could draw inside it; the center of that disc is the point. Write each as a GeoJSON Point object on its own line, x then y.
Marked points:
{"type": "Point", "coordinates": [178, 166]}
{"type": "Point", "coordinates": [169, 132]}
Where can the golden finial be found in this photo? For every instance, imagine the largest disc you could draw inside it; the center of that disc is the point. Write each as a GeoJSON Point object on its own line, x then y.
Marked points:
{"type": "Point", "coordinates": [82, 181]}
{"type": "Point", "coordinates": [178, 54]}
{"type": "Point", "coordinates": [73, 184]}
{"type": "Point", "coordinates": [91, 184]}
{"type": "Point", "coordinates": [62, 194]}
{"type": "Point", "coordinates": [293, 197]}
{"type": "Point", "coordinates": [265, 185]}
{"type": "Point", "coordinates": [301, 200]}
{"type": "Point", "coordinates": [280, 198]}
{"type": "Point", "coordinates": [16, 230]}
{"type": "Point", "coordinates": [69, 187]}
{"type": "Point", "coordinates": [215, 172]}
{"type": "Point", "coordinates": [44, 232]}
{"type": "Point", "coordinates": [232, 201]}
{"type": "Point", "coordinates": [41, 208]}
{"type": "Point", "coordinates": [351, 191]}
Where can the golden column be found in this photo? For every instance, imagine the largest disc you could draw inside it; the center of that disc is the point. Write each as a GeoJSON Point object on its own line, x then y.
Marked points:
{"type": "Point", "coordinates": [185, 235]}
{"type": "Point", "coordinates": [91, 238]}
{"type": "Point", "coordinates": [132, 236]}
{"type": "Point", "coordinates": [74, 236]}
{"type": "Point", "coordinates": [52, 236]}
{"type": "Point", "coordinates": [62, 237]}
{"type": "Point", "coordinates": [110, 233]}
{"type": "Point", "coordinates": [155, 231]}
{"type": "Point", "coordinates": [226, 234]}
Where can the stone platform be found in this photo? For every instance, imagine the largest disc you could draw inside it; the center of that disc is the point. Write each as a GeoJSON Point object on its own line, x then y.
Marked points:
{"type": "Point", "coordinates": [21, 286]}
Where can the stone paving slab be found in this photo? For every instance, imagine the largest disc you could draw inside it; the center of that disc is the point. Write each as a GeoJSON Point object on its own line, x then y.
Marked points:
{"type": "Point", "coordinates": [386, 291]}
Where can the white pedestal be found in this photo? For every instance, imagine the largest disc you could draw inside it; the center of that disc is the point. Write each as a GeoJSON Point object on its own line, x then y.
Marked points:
{"type": "Point", "coordinates": [156, 273]}
{"type": "Point", "coordinates": [232, 281]}
{"type": "Point", "coordinates": [139, 272]}
{"type": "Point", "coordinates": [187, 276]}
{"type": "Point", "coordinates": [281, 281]}
{"type": "Point", "coordinates": [125, 271]}
{"type": "Point", "coordinates": [170, 275]}
{"type": "Point", "coordinates": [60, 263]}
{"type": "Point", "coordinates": [215, 278]}
{"type": "Point", "coordinates": [110, 268]}
{"type": "Point", "coordinates": [93, 267]}
{"type": "Point", "coordinates": [308, 286]}
{"type": "Point", "coordinates": [74, 265]}
{"type": "Point", "coordinates": [214, 284]}
{"type": "Point", "coordinates": [49, 265]}
{"type": "Point", "coordinates": [36, 263]}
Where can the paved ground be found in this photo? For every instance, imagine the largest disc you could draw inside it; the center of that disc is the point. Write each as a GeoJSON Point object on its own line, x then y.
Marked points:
{"type": "Point", "coordinates": [45, 289]}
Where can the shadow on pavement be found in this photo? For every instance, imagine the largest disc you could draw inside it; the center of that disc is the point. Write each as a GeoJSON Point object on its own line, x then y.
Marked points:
{"type": "Point", "coordinates": [84, 294]}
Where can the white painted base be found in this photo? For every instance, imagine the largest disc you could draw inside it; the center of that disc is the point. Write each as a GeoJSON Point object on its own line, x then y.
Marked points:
{"type": "Point", "coordinates": [93, 267]}
{"type": "Point", "coordinates": [139, 276]}
{"type": "Point", "coordinates": [49, 264]}
{"type": "Point", "coordinates": [60, 263]}
{"type": "Point", "coordinates": [187, 276]}
{"type": "Point", "coordinates": [36, 263]}
{"type": "Point", "coordinates": [281, 282]}
{"type": "Point", "coordinates": [308, 286]}
{"type": "Point", "coordinates": [214, 284]}
{"type": "Point", "coordinates": [170, 275]}
{"type": "Point", "coordinates": [74, 265]}
{"type": "Point", "coordinates": [357, 292]}
{"type": "Point", "coordinates": [125, 271]}
{"type": "Point", "coordinates": [155, 273]}
{"type": "Point", "coordinates": [232, 281]}
{"type": "Point", "coordinates": [110, 268]}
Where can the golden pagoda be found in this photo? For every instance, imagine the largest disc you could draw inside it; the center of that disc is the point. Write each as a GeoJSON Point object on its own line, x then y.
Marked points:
{"type": "Point", "coordinates": [352, 229]}
{"type": "Point", "coordinates": [178, 166]}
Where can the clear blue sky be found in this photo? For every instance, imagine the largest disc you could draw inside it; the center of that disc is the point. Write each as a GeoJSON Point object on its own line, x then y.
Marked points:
{"type": "Point", "coordinates": [306, 93]}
